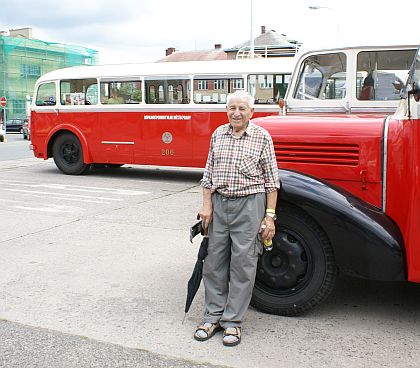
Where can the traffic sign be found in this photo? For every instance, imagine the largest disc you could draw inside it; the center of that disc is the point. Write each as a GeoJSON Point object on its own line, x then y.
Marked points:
{"type": "Point", "coordinates": [3, 101]}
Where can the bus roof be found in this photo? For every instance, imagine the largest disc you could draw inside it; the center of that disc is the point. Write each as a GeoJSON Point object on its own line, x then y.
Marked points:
{"type": "Point", "coordinates": [216, 67]}
{"type": "Point", "coordinates": [305, 49]}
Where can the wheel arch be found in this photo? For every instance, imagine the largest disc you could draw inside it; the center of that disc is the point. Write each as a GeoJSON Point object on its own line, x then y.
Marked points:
{"type": "Point", "coordinates": [365, 241]}
{"type": "Point", "coordinates": [87, 158]}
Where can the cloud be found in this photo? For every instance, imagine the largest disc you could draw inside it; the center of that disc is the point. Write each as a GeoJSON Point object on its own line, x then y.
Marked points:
{"type": "Point", "coordinates": [136, 30]}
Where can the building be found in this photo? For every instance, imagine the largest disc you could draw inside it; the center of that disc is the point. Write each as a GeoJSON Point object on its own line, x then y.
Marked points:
{"type": "Point", "coordinates": [197, 55]}
{"type": "Point", "coordinates": [23, 59]}
{"type": "Point", "coordinates": [267, 44]}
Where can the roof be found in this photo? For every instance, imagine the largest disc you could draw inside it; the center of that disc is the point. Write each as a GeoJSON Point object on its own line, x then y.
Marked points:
{"type": "Point", "coordinates": [198, 55]}
{"type": "Point", "coordinates": [218, 67]}
{"type": "Point", "coordinates": [270, 38]}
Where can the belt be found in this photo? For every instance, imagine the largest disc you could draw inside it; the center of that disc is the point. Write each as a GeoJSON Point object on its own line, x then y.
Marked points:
{"type": "Point", "coordinates": [230, 198]}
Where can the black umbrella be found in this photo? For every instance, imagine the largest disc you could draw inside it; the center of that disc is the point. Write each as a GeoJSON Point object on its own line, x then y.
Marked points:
{"type": "Point", "coordinates": [197, 274]}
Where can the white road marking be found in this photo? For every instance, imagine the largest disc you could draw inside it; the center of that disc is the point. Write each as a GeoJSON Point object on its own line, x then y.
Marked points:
{"type": "Point", "coordinates": [43, 209]}
{"type": "Point", "coordinates": [77, 188]}
{"type": "Point", "coordinates": [60, 194]}
{"type": "Point", "coordinates": [73, 199]}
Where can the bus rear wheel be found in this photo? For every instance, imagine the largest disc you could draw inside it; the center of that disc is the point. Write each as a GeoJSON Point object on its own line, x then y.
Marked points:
{"type": "Point", "coordinates": [300, 271]}
{"type": "Point", "coordinates": [68, 154]}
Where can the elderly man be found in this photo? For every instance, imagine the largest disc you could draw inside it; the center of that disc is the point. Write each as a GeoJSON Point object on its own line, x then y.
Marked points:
{"type": "Point", "coordinates": [240, 184]}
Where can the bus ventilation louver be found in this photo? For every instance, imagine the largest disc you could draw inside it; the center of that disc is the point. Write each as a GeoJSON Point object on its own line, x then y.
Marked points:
{"type": "Point", "coordinates": [317, 153]}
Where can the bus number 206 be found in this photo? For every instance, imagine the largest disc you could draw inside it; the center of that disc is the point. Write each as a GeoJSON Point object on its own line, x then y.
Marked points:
{"type": "Point", "coordinates": [167, 152]}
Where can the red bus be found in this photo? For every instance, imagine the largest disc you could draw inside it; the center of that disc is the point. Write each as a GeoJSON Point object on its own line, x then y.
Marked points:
{"type": "Point", "coordinates": [154, 114]}
{"type": "Point", "coordinates": [347, 151]}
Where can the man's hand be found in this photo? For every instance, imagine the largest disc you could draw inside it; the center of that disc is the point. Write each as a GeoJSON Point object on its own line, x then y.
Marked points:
{"type": "Point", "coordinates": [268, 228]}
{"type": "Point", "coordinates": [206, 212]}
{"type": "Point", "coordinates": [206, 215]}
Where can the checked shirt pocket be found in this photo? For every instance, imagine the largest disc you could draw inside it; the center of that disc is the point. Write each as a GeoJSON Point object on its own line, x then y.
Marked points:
{"type": "Point", "coordinates": [249, 166]}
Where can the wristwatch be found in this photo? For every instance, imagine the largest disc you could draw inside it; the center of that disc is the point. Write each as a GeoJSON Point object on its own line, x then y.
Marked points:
{"type": "Point", "coordinates": [271, 212]}
{"type": "Point", "coordinates": [271, 215]}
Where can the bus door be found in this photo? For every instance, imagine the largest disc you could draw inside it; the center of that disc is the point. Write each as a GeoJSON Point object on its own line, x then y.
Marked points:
{"type": "Point", "coordinates": [119, 119]}
{"type": "Point", "coordinates": [79, 106]}
{"type": "Point", "coordinates": [118, 135]}
{"type": "Point", "coordinates": [44, 116]}
{"type": "Point", "coordinates": [167, 120]}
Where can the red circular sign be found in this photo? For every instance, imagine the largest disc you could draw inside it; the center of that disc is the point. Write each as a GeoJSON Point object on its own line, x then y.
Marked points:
{"type": "Point", "coordinates": [3, 101]}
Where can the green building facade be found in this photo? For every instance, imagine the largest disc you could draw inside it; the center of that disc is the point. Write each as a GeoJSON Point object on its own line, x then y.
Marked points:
{"type": "Point", "coordinates": [24, 60]}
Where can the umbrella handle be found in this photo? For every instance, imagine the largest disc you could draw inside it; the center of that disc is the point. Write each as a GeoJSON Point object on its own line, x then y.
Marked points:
{"type": "Point", "coordinates": [205, 230]}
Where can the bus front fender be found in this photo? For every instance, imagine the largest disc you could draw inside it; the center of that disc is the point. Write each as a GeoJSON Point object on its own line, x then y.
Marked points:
{"type": "Point", "coordinates": [365, 241]}
{"type": "Point", "coordinates": [65, 128]}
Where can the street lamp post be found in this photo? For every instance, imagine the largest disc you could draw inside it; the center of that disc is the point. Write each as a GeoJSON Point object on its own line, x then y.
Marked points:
{"type": "Point", "coordinates": [315, 7]}
{"type": "Point", "coordinates": [251, 44]}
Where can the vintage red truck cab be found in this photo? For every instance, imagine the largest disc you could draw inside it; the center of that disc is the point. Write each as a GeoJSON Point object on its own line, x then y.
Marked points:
{"type": "Point", "coordinates": [347, 147]}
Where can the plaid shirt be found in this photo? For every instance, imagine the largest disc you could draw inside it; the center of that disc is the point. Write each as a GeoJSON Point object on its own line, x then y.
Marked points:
{"type": "Point", "coordinates": [240, 166]}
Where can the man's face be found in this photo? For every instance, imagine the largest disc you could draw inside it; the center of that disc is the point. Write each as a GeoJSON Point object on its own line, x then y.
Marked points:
{"type": "Point", "coordinates": [239, 113]}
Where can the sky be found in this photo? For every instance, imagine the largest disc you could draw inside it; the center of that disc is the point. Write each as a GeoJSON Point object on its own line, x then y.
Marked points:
{"type": "Point", "coordinates": [141, 30]}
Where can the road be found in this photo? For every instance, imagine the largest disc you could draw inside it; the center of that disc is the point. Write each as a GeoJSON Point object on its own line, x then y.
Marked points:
{"type": "Point", "coordinates": [96, 267]}
{"type": "Point", "coordinates": [15, 148]}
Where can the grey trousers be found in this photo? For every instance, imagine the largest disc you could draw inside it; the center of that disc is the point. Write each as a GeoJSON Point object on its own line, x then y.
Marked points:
{"type": "Point", "coordinates": [230, 266]}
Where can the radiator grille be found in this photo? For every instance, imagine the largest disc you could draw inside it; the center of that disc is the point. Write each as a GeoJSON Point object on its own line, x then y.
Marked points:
{"type": "Point", "coordinates": [317, 153]}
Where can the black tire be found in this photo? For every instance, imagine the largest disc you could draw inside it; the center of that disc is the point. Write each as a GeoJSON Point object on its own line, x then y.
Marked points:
{"type": "Point", "coordinates": [300, 272]}
{"type": "Point", "coordinates": [68, 154]}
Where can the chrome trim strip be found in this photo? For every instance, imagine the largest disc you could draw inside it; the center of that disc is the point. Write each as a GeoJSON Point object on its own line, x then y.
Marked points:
{"type": "Point", "coordinates": [158, 108]}
{"type": "Point", "coordinates": [390, 109]}
{"type": "Point", "coordinates": [316, 109]}
{"type": "Point", "coordinates": [385, 162]}
{"type": "Point", "coordinates": [112, 142]}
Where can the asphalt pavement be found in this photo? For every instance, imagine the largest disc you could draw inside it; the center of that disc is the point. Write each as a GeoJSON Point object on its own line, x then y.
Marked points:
{"type": "Point", "coordinates": [14, 148]}
{"type": "Point", "coordinates": [93, 273]}
{"type": "Point", "coordinates": [31, 347]}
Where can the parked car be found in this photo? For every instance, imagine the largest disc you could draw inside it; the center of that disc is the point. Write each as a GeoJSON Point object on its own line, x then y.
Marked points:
{"type": "Point", "coordinates": [2, 132]}
{"type": "Point", "coordinates": [14, 125]}
{"type": "Point", "coordinates": [26, 129]}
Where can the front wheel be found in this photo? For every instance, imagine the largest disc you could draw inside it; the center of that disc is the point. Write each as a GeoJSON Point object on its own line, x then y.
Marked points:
{"type": "Point", "coordinates": [300, 272]}
{"type": "Point", "coordinates": [68, 154]}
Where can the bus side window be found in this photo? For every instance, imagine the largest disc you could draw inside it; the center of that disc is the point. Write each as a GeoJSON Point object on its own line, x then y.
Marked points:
{"type": "Point", "coordinates": [79, 92]}
{"type": "Point", "coordinates": [210, 91]}
{"type": "Point", "coordinates": [380, 74]}
{"type": "Point", "coordinates": [120, 92]}
{"type": "Point", "coordinates": [267, 88]}
{"type": "Point", "coordinates": [167, 91]}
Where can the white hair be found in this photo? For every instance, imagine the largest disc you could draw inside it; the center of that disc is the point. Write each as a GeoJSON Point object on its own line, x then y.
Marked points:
{"type": "Point", "coordinates": [241, 95]}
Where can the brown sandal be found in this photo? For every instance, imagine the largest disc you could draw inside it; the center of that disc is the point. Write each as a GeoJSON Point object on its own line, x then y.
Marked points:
{"type": "Point", "coordinates": [208, 328]}
{"type": "Point", "coordinates": [232, 332]}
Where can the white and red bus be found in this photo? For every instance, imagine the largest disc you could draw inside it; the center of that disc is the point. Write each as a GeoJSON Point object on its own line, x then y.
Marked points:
{"type": "Point", "coordinates": [153, 114]}
{"type": "Point", "coordinates": [347, 148]}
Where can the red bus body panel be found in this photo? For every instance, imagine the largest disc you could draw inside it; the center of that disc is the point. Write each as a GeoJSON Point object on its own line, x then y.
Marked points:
{"type": "Point", "coordinates": [344, 150]}
{"type": "Point", "coordinates": [403, 187]}
{"type": "Point", "coordinates": [348, 151]}
{"type": "Point", "coordinates": [175, 138]}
